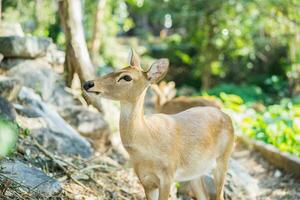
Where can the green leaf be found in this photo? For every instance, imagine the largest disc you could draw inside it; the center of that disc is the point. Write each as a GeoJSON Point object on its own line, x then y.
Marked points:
{"type": "Point", "coordinates": [8, 137]}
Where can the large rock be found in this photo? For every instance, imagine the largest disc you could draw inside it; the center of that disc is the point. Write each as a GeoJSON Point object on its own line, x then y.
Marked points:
{"type": "Point", "coordinates": [61, 98]}
{"type": "Point", "coordinates": [60, 143]}
{"type": "Point", "coordinates": [11, 29]}
{"type": "Point", "coordinates": [55, 56]}
{"type": "Point", "coordinates": [8, 63]}
{"type": "Point", "coordinates": [88, 122]}
{"type": "Point", "coordinates": [9, 87]}
{"type": "Point", "coordinates": [239, 184]}
{"type": "Point", "coordinates": [36, 74]}
{"type": "Point", "coordinates": [58, 136]}
{"type": "Point", "coordinates": [29, 178]}
{"type": "Point", "coordinates": [6, 109]}
{"type": "Point", "coordinates": [1, 57]}
{"type": "Point", "coordinates": [24, 47]}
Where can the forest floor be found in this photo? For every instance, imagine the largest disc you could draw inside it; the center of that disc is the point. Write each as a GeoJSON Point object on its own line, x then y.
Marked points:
{"type": "Point", "coordinates": [273, 183]}
{"type": "Point", "coordinates": [103, 177]}
{"type": "Point", "coordinates": [120, 182]}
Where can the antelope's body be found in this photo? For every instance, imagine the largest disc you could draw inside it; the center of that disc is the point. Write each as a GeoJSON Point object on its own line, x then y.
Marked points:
{"type": "Point", "coordinates": [167, 148]}
{"type": "Point", "coordinates": [166, 102]}
{"type": "Point", "coordinates": [182, 103]}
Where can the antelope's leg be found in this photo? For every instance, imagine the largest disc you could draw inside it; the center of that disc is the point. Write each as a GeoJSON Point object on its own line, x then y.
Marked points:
{"type": "Point", "coordinates": [150, 184]}
{"type": "Point", "coordinates": [219, 174]}
{"type": "Point", "coordinates": [164, 190]}
{"type": "Point", "coordinates": [151, 194]}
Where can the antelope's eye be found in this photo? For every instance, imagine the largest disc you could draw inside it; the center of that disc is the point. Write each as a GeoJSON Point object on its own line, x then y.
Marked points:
{"type": "Point", "coordinates": [126, 78]}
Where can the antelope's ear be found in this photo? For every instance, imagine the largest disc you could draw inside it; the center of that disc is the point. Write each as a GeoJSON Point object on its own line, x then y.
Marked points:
{"type": "Point", "coordinates": [134, 59]}
{"type": "Point", "coordinates": [158, 70]}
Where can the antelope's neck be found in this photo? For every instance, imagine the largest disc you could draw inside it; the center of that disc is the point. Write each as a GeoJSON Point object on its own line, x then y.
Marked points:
{"type": "Point", "coordinates": [132, 119]}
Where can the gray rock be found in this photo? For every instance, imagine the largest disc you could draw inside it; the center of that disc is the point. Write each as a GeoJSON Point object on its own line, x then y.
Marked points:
{"type": "Point", "coordinates": [59, 143]}
{"type": "Point", "coordinates": [30, 178]}
{"type": "Point", "coordinates": [239, 184]}
{"type": "Point", "coordinates": [6, 109]}
{"type": "Point", "coordinates": [9, 87]}
{"type": "Point", "coordinates": [36, 74]}
{"type": "Point", "coordinates": [24, 47]}
{"type": "Point", "coordinates": [8, 63]}
{"type": "Point", "coordinates": [55, 56]}
{"type": "Point", "coordinates": [86, 121]}
{"type": "Point", "coordinates": [1, 57]}
{"type": "Point", "coordinates": [60, 134]}
{"type": "Point", "coordinates": [61, 98]}
{"type": "Point", "coordinates": [10, 29]}
{"type": "Point", "coordinates": [26, 112]}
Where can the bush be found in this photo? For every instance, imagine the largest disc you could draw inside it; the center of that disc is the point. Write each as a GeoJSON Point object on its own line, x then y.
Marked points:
{"type": "Point", "coordinates": [249, 93]}
{"type": "Point", "coordinates": [8, 137]}
{"type": "Point", "coordinates": [278, 124]}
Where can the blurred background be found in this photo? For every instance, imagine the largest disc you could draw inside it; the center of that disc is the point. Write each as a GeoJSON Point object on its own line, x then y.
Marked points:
{"type": "Point", "coordinates": [242, 54]}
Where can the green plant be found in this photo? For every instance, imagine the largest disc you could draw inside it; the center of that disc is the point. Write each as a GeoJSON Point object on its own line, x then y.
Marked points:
{"type": "Point", "coordinates": [278, 124]}
{"type": "Point", "coordinates": [9, 131]}
{"type": "Point", "coordinates": [246, 92]}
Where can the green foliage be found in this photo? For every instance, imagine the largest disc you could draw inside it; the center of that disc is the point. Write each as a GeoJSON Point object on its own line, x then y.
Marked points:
{"type": "Point", "coordinates": [36, 17]}
{"type": "Point", "coordinates": [235, 41]}
{"type": "Point", "coordinates": [249, 93]}
{"type": "Point", "coordinates": [9, 131]}
{"type": "Point", "coordinates": [278, 124]}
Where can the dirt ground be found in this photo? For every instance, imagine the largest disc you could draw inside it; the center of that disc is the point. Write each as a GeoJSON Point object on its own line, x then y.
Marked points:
{"type": "Point", "coordinates": [104, 177]}
{"type": "Point", "coordinates": [273, 183]}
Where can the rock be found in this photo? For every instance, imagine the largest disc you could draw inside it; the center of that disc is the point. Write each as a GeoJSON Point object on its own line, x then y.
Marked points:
{"type": "Point", "coordinates": [36, 74]}
{"type": "Point", "coordinates": [238, 184]}
{"type": "Point", "coordinates": [9, 63]}
{"type": "Point", "coordinates": [10, 29]}
{"type": "Point", "coordinates": [6, 109]}
{"type": "Point", "coordinates": [26, 112]}
{"type": "Point", "coordinates": [55, 56]}
{"type": "Point", "coordinates": [277, 173]}
{"type": "Point", "coordinates": [61, 98]}
{"type": "Point", "coordinates": [24, 47]}
{"type": "Point", "coordinates": [30, 178]}
{"type": "Point", "coordinates": [61, 135]}
{"type": "Point", "coordinates": [85, 120]}
{"type": "Point", "coordinates": [9, 87]}
{"type": "Point", "coordinates": [1, 57]}
{"type": "Point", "coordinates": [59, 143]}
{"type": "Point", "coordinates": [88, 122]}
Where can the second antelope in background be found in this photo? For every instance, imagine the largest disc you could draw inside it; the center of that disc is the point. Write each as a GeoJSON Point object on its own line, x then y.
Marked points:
{"type": "Point", "coordinates": [165, 101]}
{"type": "Point", "coordinates": [167, 148]}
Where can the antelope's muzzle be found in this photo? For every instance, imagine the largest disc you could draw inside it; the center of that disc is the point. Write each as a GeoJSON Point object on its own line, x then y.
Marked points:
{"type": "Point", "coordinates": [88, 85]}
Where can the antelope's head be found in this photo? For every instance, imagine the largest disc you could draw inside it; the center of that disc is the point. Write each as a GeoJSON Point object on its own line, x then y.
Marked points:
{"type": "Point", "coordinates": [127, 84]}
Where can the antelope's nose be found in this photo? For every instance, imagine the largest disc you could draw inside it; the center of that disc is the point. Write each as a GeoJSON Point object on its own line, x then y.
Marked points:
{"type": "Point", "coordinates": [88, 84]}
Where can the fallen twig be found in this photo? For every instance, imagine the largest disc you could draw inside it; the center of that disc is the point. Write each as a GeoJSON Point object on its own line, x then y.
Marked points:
{"type": "Point", "coordinates": [69, 174]}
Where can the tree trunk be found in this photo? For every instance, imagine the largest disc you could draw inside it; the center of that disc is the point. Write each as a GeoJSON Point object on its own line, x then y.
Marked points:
{"type": "Point", "coordinates": [77, 56]}
{"type": "Point", "coordinates": [294, 73]}
{"type": "Point", "coordinates": [0, 11]}
{"type": "Point", "coordinates": [211, 52]}
{"type": "Point", "coordinates": [206, 77]}
{"type": "Point", "coordinates": [96, 38]}
{"type": "Point", "coordinates": [38, 12]}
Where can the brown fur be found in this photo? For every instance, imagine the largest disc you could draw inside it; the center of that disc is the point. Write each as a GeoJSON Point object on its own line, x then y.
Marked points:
{"type": "Point", "coordinates": [165, 101]}
{"type": "Point", "coordinates": [166, 148]}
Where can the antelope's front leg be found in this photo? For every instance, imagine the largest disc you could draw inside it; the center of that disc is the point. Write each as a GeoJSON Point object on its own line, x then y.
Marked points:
{"type": "Point", "coordinates": [164, 189]}
{"type": "Point", "coordinates": [150, 184]}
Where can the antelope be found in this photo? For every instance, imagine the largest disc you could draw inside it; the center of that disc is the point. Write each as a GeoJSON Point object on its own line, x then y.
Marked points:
{"type": "Point", "coordinates": [166, 148]}
{"type": "Point", "coordinates": [165, 101]}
